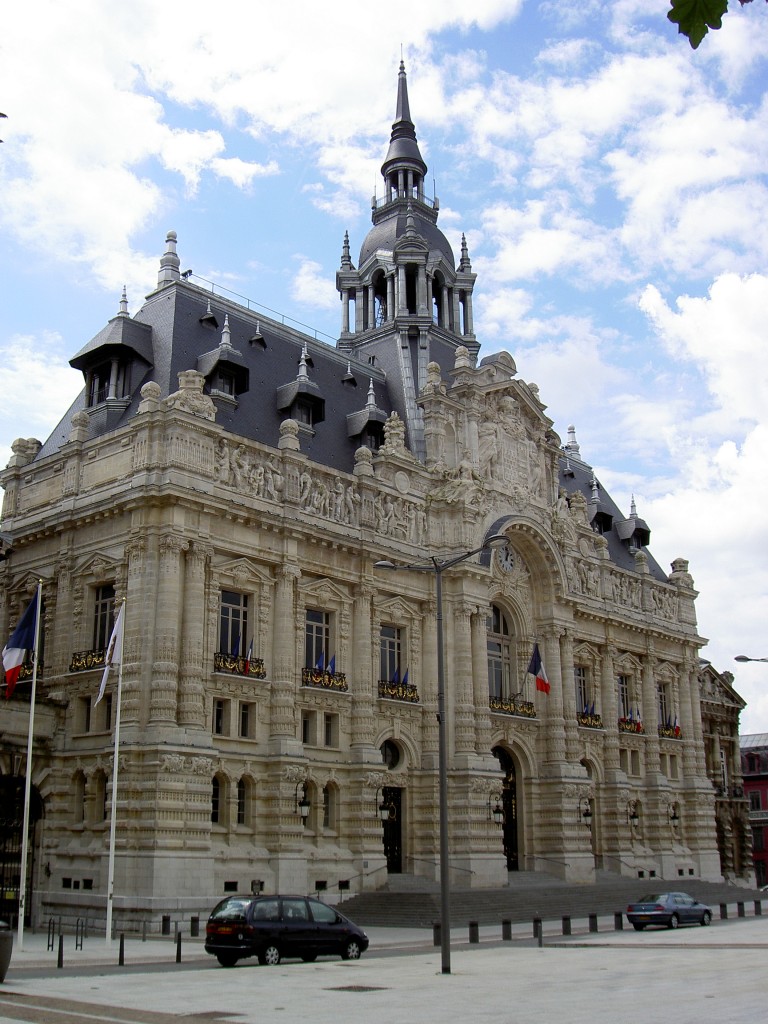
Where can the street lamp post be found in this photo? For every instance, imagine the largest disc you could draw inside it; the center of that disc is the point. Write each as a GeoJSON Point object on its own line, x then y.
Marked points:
{"type": "Point", "coordinates": [743, 657]}
{"type": "Point", "coordinates": [438, 566]}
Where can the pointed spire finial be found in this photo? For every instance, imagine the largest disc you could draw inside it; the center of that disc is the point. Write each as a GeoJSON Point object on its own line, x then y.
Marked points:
{"type": "Point", "coordinates": [371, 395]}
{"type": "Point", "coordinates": [123, 303]}
{"type": "Point", "coordinates": [573, 444]}
{"type": "Point", "coordinates": [633, 508]}
{"type": "Point", "coordinates": [303, 375]}
{"type": "Point", "coordinates": [464, 262]}
{"type": "Point", "coordinates": [346, 259]}
{"type": "Point", "coordinates": [226, 334]}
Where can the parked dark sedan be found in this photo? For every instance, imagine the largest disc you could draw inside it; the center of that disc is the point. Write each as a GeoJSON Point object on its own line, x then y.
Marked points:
{"type": "Point", "coordinates": [668, 909]}
{"type": "Point", "coordinates": [273, 927]}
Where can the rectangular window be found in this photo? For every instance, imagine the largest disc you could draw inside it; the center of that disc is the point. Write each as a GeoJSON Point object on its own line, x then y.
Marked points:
{"type": "Point", "coordinates": [634, 764]}
{"type": "Point", "coordinates": [84, 715]}
{"type": "Point", "coordinates": [331, 737]}
{"type": "Point", "coordinates": [390, 645]}
{"type": "Point", "coordinates": [317, 638]}
{"type": "Point", "coordinates": [219, 717]}
{"type": "Point", "coordinates": [662, 698]}
{"type": "Point", "coordinates": [754, 801]}
{"type": "Point", "coordinates": [624, 702]}
{"type": "Point", "coordinates": [103, 616]}
{"type": "Point", "coordinates": [106, 704]}
{"type": "Point", "coordinates": [233, 623]}
{"type": "Point", "coordinates": [327, 817]}
{"type": "Point", "coordinates": [723, 771]}
{"type": "Point", "coordinates": [308, 728]}
{"type": "Point", "coordinates": [582, 689]}
{"type": "Point", "coordinates": [624, 760]}
{"type": "Point", "coordinates": [757, 840]}
{"type": "Point", "coordinates": [246, 720]}
{"type": "Point", "coordinates": [673, 767]}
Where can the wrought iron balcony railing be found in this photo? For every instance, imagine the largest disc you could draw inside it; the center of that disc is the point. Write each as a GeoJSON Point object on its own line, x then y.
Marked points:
{"type": "Point", "coordinates": [590, 720]}
{"type": "Point", "coordinates": [84, 660]}
{"type": "Point", "coordinates": [398, 691]}
{"type": "Point", "coordinates": [252, 667]}
{"type": "Point", "coordinates": [670, 732]}
{"type": "Point", "coordinates": [512, 706]}
{"type": "Point", "coordinates": [325, 680]}
{"type": "Point", "coordinates": [629, 725]}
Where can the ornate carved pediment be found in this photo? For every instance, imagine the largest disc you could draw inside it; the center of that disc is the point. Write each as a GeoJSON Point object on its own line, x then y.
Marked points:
{"type": "Point", "coordinates": [324, 591]}
{"type": "Point", "coordinates": [98, 566]}
{"type": "Point", "coordinates": [243, 571]}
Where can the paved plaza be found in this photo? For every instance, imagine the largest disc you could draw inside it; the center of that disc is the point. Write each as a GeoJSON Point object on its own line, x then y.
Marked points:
{"type": "Point", "coordinates": [608, 977]}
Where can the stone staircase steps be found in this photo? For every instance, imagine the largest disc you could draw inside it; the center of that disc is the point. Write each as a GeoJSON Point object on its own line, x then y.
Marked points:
{"type": "Point", "coordinates": [526, 898]}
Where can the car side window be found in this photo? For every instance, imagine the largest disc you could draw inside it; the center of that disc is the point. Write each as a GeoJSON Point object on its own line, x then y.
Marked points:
{"type": "Point", "coordinates": [266, 910]}
{"type": "Point", "coordinates": [295, 910]}
{"type": "Point", "coordinates": [322, 913]}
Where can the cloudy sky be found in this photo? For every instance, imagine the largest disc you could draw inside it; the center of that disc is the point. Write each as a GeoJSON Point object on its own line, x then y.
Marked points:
{"type": "Point", "coordinates": [610, 182]}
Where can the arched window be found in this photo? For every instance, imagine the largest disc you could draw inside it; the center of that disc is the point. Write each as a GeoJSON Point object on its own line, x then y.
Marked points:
{"type": "Point", "coordinates": [78, 798]}
{"type": "Point", "coordinates": [502, 683]}
{"type": "Point", "coordinates": [242, 802]}
{"type": "Point", "coordinates": [219, 795]}
{"type": "Point", "coordinates": [330, 807]}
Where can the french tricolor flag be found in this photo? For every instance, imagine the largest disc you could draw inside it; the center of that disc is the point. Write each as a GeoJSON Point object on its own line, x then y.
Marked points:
{"type": "Point", "coordinates": [22, 640]}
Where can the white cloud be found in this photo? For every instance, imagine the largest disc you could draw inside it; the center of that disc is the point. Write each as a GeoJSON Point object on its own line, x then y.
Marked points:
{"type": "Point", "coordinates": [310, 288]}
{"type": "Point", "coordinates": [242, 172]}
{"type": "Point", "coordinates": [38, 386]}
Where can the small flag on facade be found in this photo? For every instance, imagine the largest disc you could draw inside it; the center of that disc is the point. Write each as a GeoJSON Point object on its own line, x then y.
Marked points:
{"type": "Point", "coordinates": [320, 666]}
{"type": "Point", "coordinates": [405, 678]}
{"type": "Point", "coordinates": [396, 676]}
{"type": "Point", "coordinates": [22, 640]}
{"type": "Point", "coordinates": [114, 651]}
{"type": "Point", "coordinates": [536, 668]}
{"type": "Point", "coordinates": [332, 666]}
{"type": "Point", "coordinates": [248, 657]}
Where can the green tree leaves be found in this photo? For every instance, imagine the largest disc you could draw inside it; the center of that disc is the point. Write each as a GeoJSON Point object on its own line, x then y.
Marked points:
{"type": "Point", "coordinates": [694, 18]}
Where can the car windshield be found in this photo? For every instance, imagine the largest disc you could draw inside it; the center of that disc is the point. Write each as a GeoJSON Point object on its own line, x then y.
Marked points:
{"type": "Point", "coordinates": [232, 910]}
{"type": "Point", "coordinates": [653, 898]}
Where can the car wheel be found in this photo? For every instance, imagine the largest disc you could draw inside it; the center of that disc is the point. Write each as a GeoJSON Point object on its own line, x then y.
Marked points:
{"type": "Point", "coordinates": [270, 957]}
{"type": "Point", "coordinates": [351, 951]}
{"type": "Point", "coordinates": [674, 921]}
{"type": "Point", "coordinates": [638, 927]}
{"type": "Point", "coordinates": [309, 958]}
{"type": "Point", "coordinates": [226, 959]}
{"type": "Point", "coordinates": [706, 918]}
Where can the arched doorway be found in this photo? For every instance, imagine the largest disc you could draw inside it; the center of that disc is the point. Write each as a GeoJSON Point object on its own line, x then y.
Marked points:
{"type": "Point", "coordinates": [510, 806]}
{"type": "Point", "coordinates": [11, 826]}
{"type": "Point", "coordinates": [392, 815]}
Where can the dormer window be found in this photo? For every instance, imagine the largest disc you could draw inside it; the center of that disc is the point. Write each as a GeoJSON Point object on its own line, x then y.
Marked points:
{"type": "Point", "coordinates": [108, 380]}
{"type": "Point", "coordinates": [303, 412]}
{"type": "Point", "coordinates": [224, 382]}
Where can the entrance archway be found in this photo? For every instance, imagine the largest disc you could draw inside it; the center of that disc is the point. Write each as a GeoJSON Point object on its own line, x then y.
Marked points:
{"type": "Point", "coordinates": [510, 806]}
{"type": "Point", "coordinates": [11, 826]}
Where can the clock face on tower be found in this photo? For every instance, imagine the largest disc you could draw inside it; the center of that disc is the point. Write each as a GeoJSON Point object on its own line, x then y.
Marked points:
{"type": "Point", "coordinates": [506, 558]}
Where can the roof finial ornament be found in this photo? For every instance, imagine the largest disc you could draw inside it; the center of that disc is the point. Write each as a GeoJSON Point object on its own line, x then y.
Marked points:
{"type": "Point", "coordinates": [169, 262]}
{"type": "Point", "coordinates": [303, 375]}
{"type": "Point", "coordinates": [573, 445]}
{"type": "Point", "coordinates": [371, 403]}
{"type": "Point", "coordinates": [123, 303]}
{"type": "Point", "coordinates": [464, 262]}
{"type": "Point", "coordinates": [226, 334]}
{"type": "Point", "coordinates": [632, 508]}
{"type": "Point", "coordinates": [346, 259]}
{"type": "Point", "coordinates": [595, 500]}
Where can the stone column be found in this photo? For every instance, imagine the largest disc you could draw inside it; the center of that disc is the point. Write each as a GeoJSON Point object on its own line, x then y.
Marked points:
{"type": "Point", "coordinates": [282, 728]}
{"type": "Point", "coordinates": [170, 587]}
{"type": "Point", "coordinates": [469, 327]}
{"type": "Point", "coordinates": [569, 697]}
{"type": "Point", "coordinates": [194, 669]}
{"type": "Point", "coordinates": [480, 682]}
{"type": "Point", "coordinates": [459, 665]}
{"type": "Point", "coordinates": [552, 703]}
{"type": "Point", "coordinates": [390, 296]}
{"type": "Point", "coordinates": [609, 706]}
{"type": "Point", "coordinates": [650, 716]}
{"type": "Point", "coordinates": [345, 310]}
{"type": "Point", "coordinates": [694, 759]}
{"type": "Point", "coordinates": [371, 308]}
{"type": "Point", "coordinates": [402, 294]}
{"type": "Point", "coordinates": [421, 291]}
{"type": "Point", "coordinates": [362, 679]}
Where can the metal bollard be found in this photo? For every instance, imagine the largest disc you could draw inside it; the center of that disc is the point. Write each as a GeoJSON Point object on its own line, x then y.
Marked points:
{"type": "Point", "coordinates": [618, 921]}
{"type": "Point", "coordinates": [740, 910]}
{"type": "Point", "coordinates": [593, 922]}
{"type": "Point", "coordinates": [566, 924]}
{"type": "Point", "coordinates": [178, 947]}
{"type": "Point", "coordinates": [536, 926]}
{"type": "Point", "coordinates": [723, 911]}
{"type": "Point", "coordinates": [758, 908]}
{"type": "Point", "coordinates": [506, 931]}
{"type": "Point", "coordinates": [144, 931]}
{"type": "Point", "coordinates": [121, 954]}
{"type": "Point", "coordinates": [540, 936]}
{"type": "Point", "coordinates": [474, 932]}
{"type": "Point", "coordinates": [437, 933]}
{"type": "Point", "coordinates": [60, 960]}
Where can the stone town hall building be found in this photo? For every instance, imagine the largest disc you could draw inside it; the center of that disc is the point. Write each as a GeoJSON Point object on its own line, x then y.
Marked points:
{"type": "Point", "coordinates": [235, 481]}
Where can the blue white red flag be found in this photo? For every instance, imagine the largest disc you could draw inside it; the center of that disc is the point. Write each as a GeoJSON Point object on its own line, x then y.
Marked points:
{"type": "Point", "coordinates": [22, 640]}
{"type": "Point", "coordinates": [536, 668]}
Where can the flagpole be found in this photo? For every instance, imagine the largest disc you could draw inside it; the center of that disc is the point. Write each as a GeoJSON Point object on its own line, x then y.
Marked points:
{"type": "Point", "coordinates": [113, 814]}
{"type": "Point", "coordinates": [28, 776]}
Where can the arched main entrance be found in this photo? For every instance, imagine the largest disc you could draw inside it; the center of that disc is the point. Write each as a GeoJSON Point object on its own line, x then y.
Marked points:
{"type": "Point", "coordinates": [509, 803]}
{"type": "Point", "coordinates": [11, 826]}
